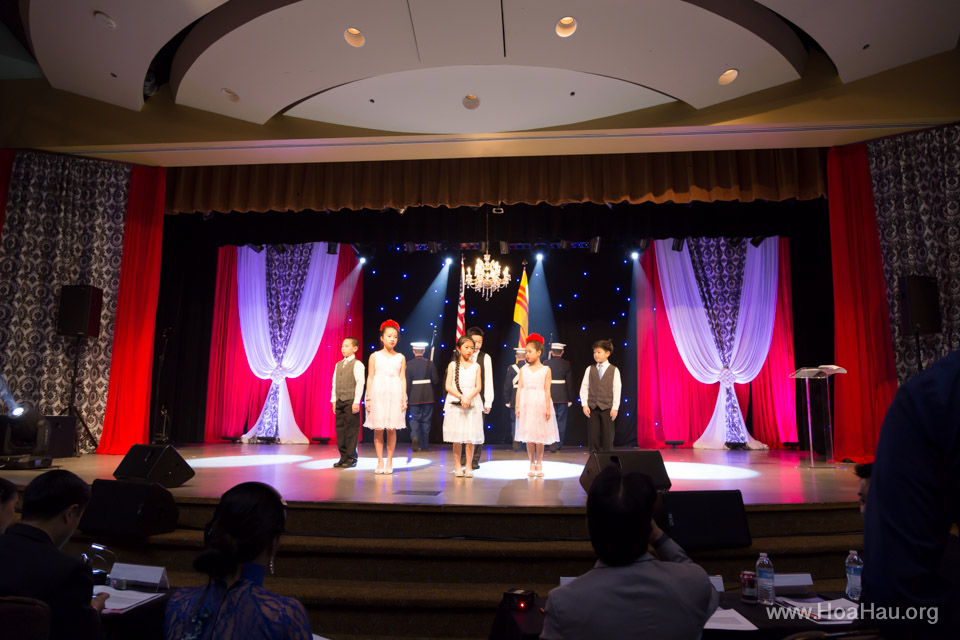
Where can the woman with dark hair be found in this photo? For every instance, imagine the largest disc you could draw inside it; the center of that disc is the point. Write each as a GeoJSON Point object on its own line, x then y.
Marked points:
{"type": "Point", "coordinates": [241, 541]}
{"type": "Point", "coordinates": [8, 503]}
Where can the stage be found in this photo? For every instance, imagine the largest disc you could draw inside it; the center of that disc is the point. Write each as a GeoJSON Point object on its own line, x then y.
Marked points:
{"type": "Point", "coordinates": [304, 473]}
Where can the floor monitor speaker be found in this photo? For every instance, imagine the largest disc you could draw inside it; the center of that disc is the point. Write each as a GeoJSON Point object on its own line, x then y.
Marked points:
{"type": "Point", "coordinates": [158, 463]}
{"type": "Point", "coordinates": [629, 461]}
{"type": "Point", "coordinates": [129, 509]}
{"type": "Point", "coordinates": [705, 519]}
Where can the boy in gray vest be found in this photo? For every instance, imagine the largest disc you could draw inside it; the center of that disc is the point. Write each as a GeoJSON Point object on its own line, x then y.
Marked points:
{"type": "Point", "coordinates": [600, 397]}
{"type": "Point", "coordinates": [348, 379]}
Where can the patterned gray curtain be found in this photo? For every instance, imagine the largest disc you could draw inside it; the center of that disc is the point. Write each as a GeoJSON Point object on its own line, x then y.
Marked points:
{"type": "Point", "coordinates": [916, 189]}
{"type": "Point", "coordinates": [287, 267]}
{"type": "Point", "coordinates": [718, 264]}
{"type": "Point", "coordinates": [64, 226]}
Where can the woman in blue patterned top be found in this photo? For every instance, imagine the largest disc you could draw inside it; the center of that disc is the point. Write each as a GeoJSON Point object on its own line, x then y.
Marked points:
{"type": "Point", "coordinates": [241, 540]}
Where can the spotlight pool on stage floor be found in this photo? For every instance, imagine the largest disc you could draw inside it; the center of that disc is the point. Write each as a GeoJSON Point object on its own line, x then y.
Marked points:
{"type": "Point", "coordinates": [368, 464]}
{"type": "Point", "coordinates": [255, 460]}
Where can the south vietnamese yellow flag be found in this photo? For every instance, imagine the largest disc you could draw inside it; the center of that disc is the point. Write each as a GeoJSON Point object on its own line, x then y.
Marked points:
{"type": "Point", "coordinates": [520, 315]}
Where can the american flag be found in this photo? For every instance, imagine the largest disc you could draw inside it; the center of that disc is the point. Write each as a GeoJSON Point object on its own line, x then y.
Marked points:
{"type": "Point", "coordinates": [462, 308]}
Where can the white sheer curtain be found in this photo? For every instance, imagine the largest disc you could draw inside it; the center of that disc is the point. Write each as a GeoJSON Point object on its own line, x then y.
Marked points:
{"type": "Point", "coordinates": [311, 319]}
{"type": "Point", "coordinates": [694, 337]}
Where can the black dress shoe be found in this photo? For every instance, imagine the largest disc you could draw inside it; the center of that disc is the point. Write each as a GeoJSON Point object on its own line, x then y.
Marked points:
{"type": "Point", "coordinates": [474, 464]}
{"type": "Point", "coordinates": [349, 464]}
{"type": "Point", "coordinates": [338, 464]}
{"type": "Point", "coordinates": [415, 443]}
{"type": "Point", "coordinates": [553, 447]}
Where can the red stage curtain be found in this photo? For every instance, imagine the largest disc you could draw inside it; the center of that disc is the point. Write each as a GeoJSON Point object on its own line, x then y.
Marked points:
{"type": "Point", "coordinates": [774, 393]}
{"type": "Point", "coordinates": [235, 396]}
{"type": "Point", "coordinates": [862, 341]}
{"type": "Point", "coordinates": [672, 404]}
{"type": "Point", "coordinates": [310, 393]}
{"type": "Point", "coordinates": [6, 168]}
{"type": "Point", "coordinates": [127, 418]}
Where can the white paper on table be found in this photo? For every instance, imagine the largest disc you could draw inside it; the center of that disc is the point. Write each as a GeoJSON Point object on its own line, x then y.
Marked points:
{"type": "Point", "coordinates": [839, 611]}
{"type": "Point", "coordinates": [729, 620]}
{"type": "Point", "coordinates": [123, 600]}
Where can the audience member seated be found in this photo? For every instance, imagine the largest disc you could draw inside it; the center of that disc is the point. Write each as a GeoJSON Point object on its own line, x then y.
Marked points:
{"type": "Point", "coordinates": [34, 566]}
{"type": "Point", "coordinates": [863, 471]}
{"type": "Point", "coordinates": [629, 593]}
{"type": "Point", "coordinates": [8, 503]}
{"type": "Point", "coordinates": [914, 498]}
{"type": "Point", "coordinates": [241, 540]}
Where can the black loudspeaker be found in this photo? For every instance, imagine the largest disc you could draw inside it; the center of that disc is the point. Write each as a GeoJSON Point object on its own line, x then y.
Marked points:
{"type": "Point", "coordinates": [704, 519]}
{"type": "Point", "coordinates": [920, 305]}
{"type": "Point", "coordinates": [80, 307]}
{"type": "Point", "coordinates": [648, 462]}
{"type": "Point", "coordinates": [63, 436]}
{"type": "Point", "coordinates": [154, 463]}
{"type": "Point", "coordinates": [129, 509]}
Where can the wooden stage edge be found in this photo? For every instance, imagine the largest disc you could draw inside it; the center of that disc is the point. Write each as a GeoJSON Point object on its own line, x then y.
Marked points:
{"type": "Point", "coordinates": [424, 480]}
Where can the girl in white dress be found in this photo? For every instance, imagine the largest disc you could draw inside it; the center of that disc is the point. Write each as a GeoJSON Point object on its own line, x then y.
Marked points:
{"type": "Point", "coordinates": [536, 421]}
{"type": "Point", "coordinates": [386, 399]}
{"type": "Point", "coordinates": [463, 411]}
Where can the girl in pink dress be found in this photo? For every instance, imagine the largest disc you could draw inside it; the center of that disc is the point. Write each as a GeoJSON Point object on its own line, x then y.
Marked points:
{"type": "Point", "coordinates": [386, 398]}
{"type": "Point", "coordinates": [536, 421]}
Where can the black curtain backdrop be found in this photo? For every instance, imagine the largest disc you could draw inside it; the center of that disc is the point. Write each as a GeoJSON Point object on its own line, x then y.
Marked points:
{"type": "Point", "coordinates": [189, 275]}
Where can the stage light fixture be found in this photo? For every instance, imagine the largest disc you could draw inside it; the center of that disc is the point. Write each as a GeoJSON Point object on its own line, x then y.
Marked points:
{"type": "Point", "coordinates": [16, 413]}
{"type": "Point", "coordinates": [677, 244]}
{"type": "Point", "coordinates": [757, 240]}
{"type": "Point", "coordinates": [564, 244]}
{"type": "Point", "coordinates": [410, 247]}
{"type": "Point", "coordinates": [635, 255]}
{"type": "Point", "coordinates": [539, 256]}
{"type": "Point", "coordinates": [504, 248]}
{"type": "Point", "coordinates": [26, 433]}
{"type": "Point", "coordinates": [363, 260]}
{"type": "Point", "coordinates": [448, 261]}
{"type": "Point", "coordinates": [595, 244]}
{"type": "Point", "coordinates": [433, 247]}
{"type": "Point", "coordinates": [644, 244]}
{"type": "Point", "coordinates": [332, 248]}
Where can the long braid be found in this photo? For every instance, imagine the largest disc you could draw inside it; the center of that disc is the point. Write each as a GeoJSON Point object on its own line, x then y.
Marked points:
{"type": "Point", "coordinates": [456, 375]}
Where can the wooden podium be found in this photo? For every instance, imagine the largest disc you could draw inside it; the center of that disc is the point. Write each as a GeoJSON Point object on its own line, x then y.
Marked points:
{"type": "Point", "coordinates": [823, 372]}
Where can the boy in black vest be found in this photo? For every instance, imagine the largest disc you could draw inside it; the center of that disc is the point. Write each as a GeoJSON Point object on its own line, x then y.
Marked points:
{"type": "Point", "coordinates": [348, 379]}
{"type": "Point", "coordinates": [600, 397]}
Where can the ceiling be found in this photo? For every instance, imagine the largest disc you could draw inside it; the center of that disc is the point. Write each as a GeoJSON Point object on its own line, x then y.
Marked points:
{"type": "Point", "coordinates": [270, 66]}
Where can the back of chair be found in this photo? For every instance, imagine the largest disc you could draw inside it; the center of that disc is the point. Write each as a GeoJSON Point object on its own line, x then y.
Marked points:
{"type": "Point", "coordinates": [25, 618]}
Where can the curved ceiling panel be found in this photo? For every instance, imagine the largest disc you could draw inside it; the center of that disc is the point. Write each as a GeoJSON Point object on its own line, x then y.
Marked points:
{"type": "Point", "coordinates": [290, 50]}
{"type": "Point", "coordinates": [864, 37]}
{"type": "Point", "coordinates": [293, 51]}
{"type": "Point", "coordinates": [79, 52]}
{"type": "Point", "coordinates": [677, 48]}
{"type": "Point", "coordinates": [510, 98]}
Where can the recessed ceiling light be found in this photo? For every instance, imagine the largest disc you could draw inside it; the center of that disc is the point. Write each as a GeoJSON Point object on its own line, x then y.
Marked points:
{"type": "Point", "coordinates": [471, 101]}
{"type": "Point", "coordinates": [566, 26]}
{"type": "Point", "coordinates": [231, 95]}
{"type": "Point", "coordinates": [728, 76]}
{"type": "Point", "coordinates": [353, 37]}
{"type": "Point", "coordinates": [105, 20]}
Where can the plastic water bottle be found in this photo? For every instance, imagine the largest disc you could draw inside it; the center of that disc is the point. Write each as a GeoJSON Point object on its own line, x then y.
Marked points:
{"type": "Point", "coordinates": [854, 570]}
{"type": "Point", "coordinates": [765, 580]}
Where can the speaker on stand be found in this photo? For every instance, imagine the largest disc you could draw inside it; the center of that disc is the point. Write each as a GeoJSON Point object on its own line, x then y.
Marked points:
{"type": "Point", "coordinates": [79, 317]}
{"type": "Point", "coordinates": [920, 309]}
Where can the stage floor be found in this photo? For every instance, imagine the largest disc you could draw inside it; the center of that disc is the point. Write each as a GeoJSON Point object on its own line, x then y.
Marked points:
{"type": "Point", "coordinates": [304, 473]}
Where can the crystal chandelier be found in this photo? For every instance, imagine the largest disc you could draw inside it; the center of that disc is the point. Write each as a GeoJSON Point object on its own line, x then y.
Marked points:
{"type": "Point", "coordinates": [487, 276]}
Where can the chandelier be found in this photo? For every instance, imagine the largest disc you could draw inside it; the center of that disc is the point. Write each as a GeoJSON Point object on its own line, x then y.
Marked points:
{"type": "Point", "coordinates": [487, 276]}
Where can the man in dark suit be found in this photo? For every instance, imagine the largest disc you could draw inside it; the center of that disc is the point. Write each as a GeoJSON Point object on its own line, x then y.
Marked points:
{"type": "Point", "coordinates": [561, 388]}
{"type": "Point", "coordinates": [34, 566]}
